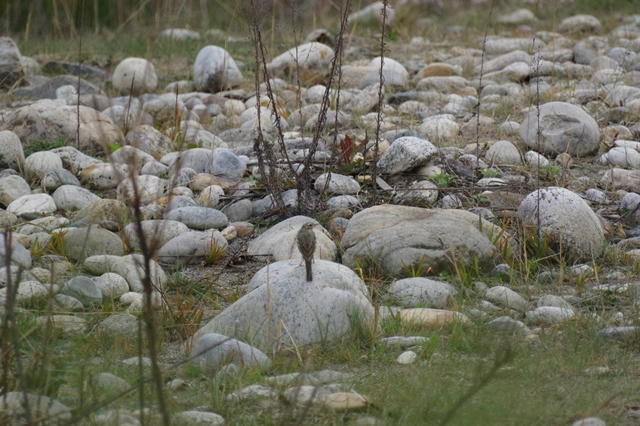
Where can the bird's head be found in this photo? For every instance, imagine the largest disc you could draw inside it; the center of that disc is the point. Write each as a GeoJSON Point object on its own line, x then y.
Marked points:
{"type": "Point", "coordinates": [308, 226]}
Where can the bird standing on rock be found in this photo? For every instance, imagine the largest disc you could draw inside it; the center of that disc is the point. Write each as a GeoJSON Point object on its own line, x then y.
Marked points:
{"type": "Point", "coordinates": [307, 246]}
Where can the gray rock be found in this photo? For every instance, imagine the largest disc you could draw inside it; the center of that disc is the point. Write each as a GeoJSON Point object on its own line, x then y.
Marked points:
{"type": "Point", "coordinates": [154, 168]}
{"type": "Point", "coordinates": [131, 268]}
{"type": "Point", "coordinates": [419, 194]}
{"type": "Point", "coordinates": [110, 383]}
{"type": "Point", "coordinates": [281, 243]}
{"type": "Point", "coordinates": [103, 176]}
{"type": "Point", "coordinates": [156, 232]}
{"type": "Point", "coordinates": [406, 153]}
{"type": "Point", "coordinates": [70, 197]}
{"type": "Point", "coordinates": [395, 236]}
{"type": "Point", "coordinates": [518, 17]}
{"type": "Point", "coordinates": [535, 159]}
{"type": "Point", "coordinates": [84, 289]}
{"type": "Point", "coordinates": [56, 177]}
{"type": "Point", "coordinates": [394, 73]}
{"type": "Point", "coordinates": [618, 333]}
{"type": "Point", "coordinates": [111, 285]}
{"type": "Point", "coordinates": [136, 75]}
{"type": "Point", "coordinates": [133, 157]}
{"type": "Point", "coordinates": [342, 202]}
{"type": "Point", "coordinates": [366, 100]}
{"type": "Point", "coordinates": [423, 292]}
{"type": "Point", "coordinates": [65, 324]}
{"type": "Point", "coordinates": [7, 219]}
{"type": "Point", "coordinates": [48, 88]}
{"type": "Point", "coordinates": [198, 159]}
{"type": "Point", "coordinates": [507, 298]}
{"type": "Point", "coordinates": [566, 220]}
{"type": "Point", "coordinates": [563, 128]}
{"type": "Point", "coordinates": [282, 307]}
{"type": "Point", "coordinates": [310, 60]}
{"type": "Point", "coordinates": [506, 324]}
{"type": "Point", "coordinates": [67, 303]}
{"type": "Point", "coordinates": [402, 342]}
{"type": "Point", "coordinates": [589, 421]}
{"type": "Point", "coordinates": [103, 210]}
{"type": "Point", "coordinates": [227, 164]}
{"type": "Point", "coordinates": [580, 24]}
{"type": "Point", "coordinates": [621, 178]}
{"type": "Point", "coordinates": [38, 204]}
{"type": "Point", "coordinates": [553, 300]}
{"type": "Point", "coordinates": [147, 188]}
{"type": "Point", "coordinates": [81, 243]}
{"type": "Point", "coordinates": [125, 325]}
{"type": "Point", "coordinates": [439, 129]}
{"type": "Point", "coordinates": [334, 183]}
{"type": "Point", "coordinates": [12, 188]}
{"type": "Point", "coordinates": [198, 418]}
{"type": "Point", "coordinates": [61, 67]}
{"type": "Point", "coordinates": [37, 163]}
{"type": "Point", "coordinates": [11, 69]}
{"type": "Point", "coordinates": [74, 160]}
{"type": "Point", "coordinates": [217, 350]}
{"type": "Point", "coordinates": [11, 153]}
{"type": "Point", "coordinates": [40, 406]}
{"type": "Point", "coordinates": [29, 292]}
{"type": "Point", "coordinates": [549, 315]}
{"type": "Point", "coordinates": [215, 70]}
{"type": "Point", "coordinates": [198, 217]}
{"type": "Point", "coordinates": [149, 140]}
{"type": "Point", "coordinates": [179, 202]}
{"type": "Point", "coordinates": [191, 247]}
{"type": "Point", "coordinates": [503, 152]}
{"type": "Point", "coordinates": [49, 120]}
{"type": "Point", "coordinates": [210, 196]}
{"type": "Point", "coordinates": [239, 211]}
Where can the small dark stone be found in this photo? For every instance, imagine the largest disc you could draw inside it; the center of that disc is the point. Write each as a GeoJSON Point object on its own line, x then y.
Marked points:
{"type": "Point", "coordinates": [74, 68]}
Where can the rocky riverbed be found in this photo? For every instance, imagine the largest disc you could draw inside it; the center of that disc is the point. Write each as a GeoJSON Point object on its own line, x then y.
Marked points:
{"type": "Point", "coordinates": [486, 184]}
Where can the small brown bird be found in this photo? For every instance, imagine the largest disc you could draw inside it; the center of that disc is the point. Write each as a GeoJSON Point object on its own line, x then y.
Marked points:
{"type": "Point", "coordinates": [307, 246]}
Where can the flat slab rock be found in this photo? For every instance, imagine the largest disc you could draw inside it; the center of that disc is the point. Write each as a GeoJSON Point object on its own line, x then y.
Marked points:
{"type": "Point", "coordinates": [401, 237]}
{"type": "Point", "coordinates": [282, 307]}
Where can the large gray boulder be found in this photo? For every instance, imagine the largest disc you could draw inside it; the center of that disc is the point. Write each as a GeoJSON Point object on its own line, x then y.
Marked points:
{"type": "Point", "coordinates": [419, 291]}
{"type": "Point", "coordinates": [401, 237]}
{"type": "Point", "coordinates": [566, 220]}
{"type": "Point", "coordinates": [11, 153]}
{"type": "Point", "coordinates": [192, 247]}
{"type": "Point", "coordinates": [215, 70]}
{"type": "Point", "coordinates": [283, 309]}
{"type": "Point", "coordinates": [11, 69]}
{"type": "Point", "coordinates": [280, 241]}
{"type": "Point", "coordinates": [80, 243]}
{"type": "Point", "coordinates": [215, 351]}
{"type": "Point", "coordinates": [563, 128]}
{"type": "Point", "coordinates": [310, 60]}
{"type": "Point", "coordinates": [406, 153]}
{"type": "Point", "coordinates": [51, 121]}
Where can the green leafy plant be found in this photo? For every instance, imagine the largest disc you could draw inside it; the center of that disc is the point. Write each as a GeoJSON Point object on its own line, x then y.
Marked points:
{"type": "Point", "coordinates": [489, 172]}
{"type": "Point", "coordinates": [214, 252]}
{"type": "Point", "coordinates": [43, 145]}
{"type": "Point", "coordinates": [416, 270]}
{"type": "Point", "coordinates": [442, 179]}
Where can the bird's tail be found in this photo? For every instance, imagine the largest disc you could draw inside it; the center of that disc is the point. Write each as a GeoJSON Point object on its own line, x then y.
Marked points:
{"type": "Point", "coordinates": [307, 264]}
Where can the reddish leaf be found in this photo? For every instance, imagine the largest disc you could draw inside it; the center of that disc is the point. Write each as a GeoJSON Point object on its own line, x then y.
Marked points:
{"type": "Point", "coordinates": [346, 146]}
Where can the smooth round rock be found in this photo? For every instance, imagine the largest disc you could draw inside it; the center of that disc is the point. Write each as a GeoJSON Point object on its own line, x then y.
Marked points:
{"type": "Point", "coordinates": [566, 220]}
{"type": "Point", "coordinates": [563, 128]}
{"type": "Point", "coordinates": [215, 70]}
{"type": "Point", "coordinates": [138, 71]}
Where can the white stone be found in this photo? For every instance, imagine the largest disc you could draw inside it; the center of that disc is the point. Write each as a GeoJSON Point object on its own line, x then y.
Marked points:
{"type": "Point", "coordinates": [40, 204]}
{"type": "Point", "coordinates": [137, 70]}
